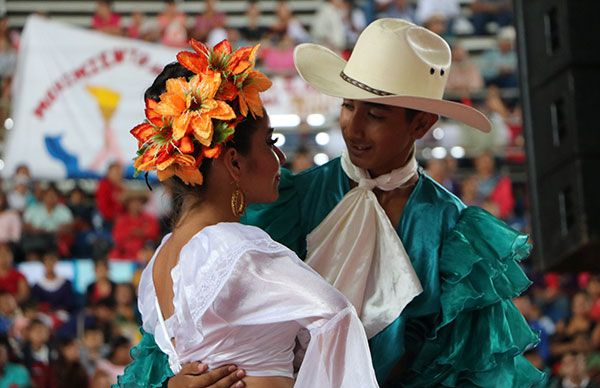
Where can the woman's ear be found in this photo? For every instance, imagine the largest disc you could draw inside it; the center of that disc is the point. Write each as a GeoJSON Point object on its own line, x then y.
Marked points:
{"type": "Point", "coordinates": [232, 161]}
{"type": "Point", "coordinates": [422, 122]}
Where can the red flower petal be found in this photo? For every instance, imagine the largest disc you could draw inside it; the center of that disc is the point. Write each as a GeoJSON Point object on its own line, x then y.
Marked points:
{"type": "Point", "coordinates": [192, 61]}
{"type": "Point", "coordinates": [223, 47]}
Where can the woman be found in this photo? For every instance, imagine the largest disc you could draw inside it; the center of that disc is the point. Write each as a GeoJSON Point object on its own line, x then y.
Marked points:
{"type": "Point", "coordinates": [217, 290]}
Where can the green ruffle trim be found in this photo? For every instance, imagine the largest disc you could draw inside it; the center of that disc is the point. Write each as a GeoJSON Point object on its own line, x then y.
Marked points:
{"type": "Point", "coordinates": [149, 368]}
{"type": "Point", "coordinates": [480, 336]}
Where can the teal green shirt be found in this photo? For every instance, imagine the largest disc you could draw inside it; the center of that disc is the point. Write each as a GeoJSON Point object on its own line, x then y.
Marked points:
{"type": "Point", "coordinates": [463, 330]}
{"type": "Point", "coordinates": [14, 376]}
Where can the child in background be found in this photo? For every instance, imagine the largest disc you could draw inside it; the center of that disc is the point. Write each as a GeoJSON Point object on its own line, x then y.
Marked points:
{"type": "Point", "coordinates": [92, 349]}
{"type": "Point", "coordinates": [37, 354]}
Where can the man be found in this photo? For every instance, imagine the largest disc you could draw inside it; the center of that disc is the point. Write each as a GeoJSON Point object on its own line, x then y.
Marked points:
{"type": "Point", "coordinates": [431, 279]}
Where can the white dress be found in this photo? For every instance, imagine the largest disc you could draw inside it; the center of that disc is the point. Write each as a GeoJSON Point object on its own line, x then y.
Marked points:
{"type": "Point", "coordinates": [241, 298]}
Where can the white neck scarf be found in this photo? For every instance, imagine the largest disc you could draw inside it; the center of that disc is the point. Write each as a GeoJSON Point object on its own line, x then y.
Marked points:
{"type": "Point", "coordinates": [356, 248]}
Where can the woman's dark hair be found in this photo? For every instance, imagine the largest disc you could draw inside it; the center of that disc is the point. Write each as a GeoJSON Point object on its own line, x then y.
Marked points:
{"type": "Point", "coordinates": [241, 141]}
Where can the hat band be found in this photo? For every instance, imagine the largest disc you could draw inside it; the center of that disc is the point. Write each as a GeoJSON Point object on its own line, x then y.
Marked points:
{"type": "Point", "coordinates": [359, 84]}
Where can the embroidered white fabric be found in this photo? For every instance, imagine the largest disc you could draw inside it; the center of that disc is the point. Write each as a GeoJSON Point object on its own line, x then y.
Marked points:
{"type": "Point", "coordinates": [357, 249]}
{"type": "Point", "coordinates": [241, 298]}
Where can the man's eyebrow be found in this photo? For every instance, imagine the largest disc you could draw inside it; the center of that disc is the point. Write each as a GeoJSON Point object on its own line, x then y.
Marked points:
{"type": "Point", "coordinates": [378, 106]}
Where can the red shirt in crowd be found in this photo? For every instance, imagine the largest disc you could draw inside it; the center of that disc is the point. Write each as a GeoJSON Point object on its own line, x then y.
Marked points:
{"type": "Point", "coordinates": [131, 233]}
{"type": "Point", "coordinates": [10, 282]}
{"type": "Point", "coordinates": [100, 23]}
{"type": "Point", "coordinates": [107, 199]}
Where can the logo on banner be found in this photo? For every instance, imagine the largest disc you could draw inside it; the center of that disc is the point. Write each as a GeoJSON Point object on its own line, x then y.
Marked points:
{"type": "Point", "coordinates": [107, 101]}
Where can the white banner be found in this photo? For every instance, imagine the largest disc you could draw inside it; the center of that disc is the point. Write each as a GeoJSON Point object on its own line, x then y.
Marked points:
{"type": "Point", "coordinates": [76, 95]}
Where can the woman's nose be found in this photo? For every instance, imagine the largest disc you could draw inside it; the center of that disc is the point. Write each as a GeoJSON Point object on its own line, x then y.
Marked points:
{"type": "Point", "coordinates": [280, 156]}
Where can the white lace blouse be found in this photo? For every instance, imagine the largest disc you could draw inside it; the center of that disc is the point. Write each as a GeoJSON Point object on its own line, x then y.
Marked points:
{"type": "Point", "coordinates": [242, 298]}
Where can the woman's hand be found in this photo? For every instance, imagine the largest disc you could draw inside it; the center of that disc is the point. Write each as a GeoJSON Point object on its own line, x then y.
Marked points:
{"type": "Point", "coordinates": [197, 375]}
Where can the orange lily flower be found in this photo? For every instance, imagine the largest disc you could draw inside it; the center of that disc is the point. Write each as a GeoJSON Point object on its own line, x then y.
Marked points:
{"type": "Point", "coordinates": [192, 106]}
{"type": "Point", "coordinates": [255, 83]}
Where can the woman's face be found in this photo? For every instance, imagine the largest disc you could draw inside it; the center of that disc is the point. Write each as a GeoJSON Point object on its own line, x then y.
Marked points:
{"type": "Point", "coordinates": [259, 179]}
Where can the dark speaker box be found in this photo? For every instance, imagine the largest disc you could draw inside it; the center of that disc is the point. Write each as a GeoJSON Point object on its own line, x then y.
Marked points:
{"type": "Point", "coordinates": [559, 64]}
{"type": "Point", "coordinates": [558, 34]}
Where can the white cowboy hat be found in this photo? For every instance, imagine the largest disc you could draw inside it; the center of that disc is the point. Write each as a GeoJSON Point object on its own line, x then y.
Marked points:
{"type": "Point", "coordinates": [394, 62]}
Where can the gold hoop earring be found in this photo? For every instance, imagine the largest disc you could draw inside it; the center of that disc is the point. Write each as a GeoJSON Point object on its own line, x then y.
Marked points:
{"type": "Point", "coordinates": [238, 201]}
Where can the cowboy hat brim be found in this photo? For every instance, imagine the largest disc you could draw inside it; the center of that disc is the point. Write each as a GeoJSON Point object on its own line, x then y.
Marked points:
{"type": "Point", "coordinates": [321, 68]}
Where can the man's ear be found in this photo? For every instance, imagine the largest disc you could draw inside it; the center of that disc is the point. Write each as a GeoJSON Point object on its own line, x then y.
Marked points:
{"type": "Point", "coordinates": [231, 160]}
{"type": "Point", "coordinates": [422, 122]}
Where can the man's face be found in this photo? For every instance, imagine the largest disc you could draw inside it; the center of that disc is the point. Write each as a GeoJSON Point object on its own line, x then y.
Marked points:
{"type": "Point", "coordinates": [379, 137]}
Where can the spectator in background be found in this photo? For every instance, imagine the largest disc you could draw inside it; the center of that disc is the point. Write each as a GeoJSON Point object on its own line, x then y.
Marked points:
{"type": "Point", "coordinates": [465, 76]}
{"type": "Point", "coordinates": [287, 24]}
{"type": "Point", "coordinates": [437, 169]}
{"type": "Point", "coordinates": [499, 64]}
{"type": "Point", "coordinates": [20, 196]}
{"type": "Point", "coordinates": [108, 195]}
{"type": "Point", "coordinates": [144, 257]}
{"type": "Point", "coordinates": [491, 186]}
{"type": "Point", "coordinates": [211, 19]}
{"type": "Point", "coordinates": [172, 24]}
{"type": "Point", "coordinates": [9, 311]}
{"type": "Point", "coordinates": [574, 334]}
{"type": "Point", "coordinates": [102, 287]}
{"type": "Point", "coordinates": [93, 348]}
{"type": "Point", "coordinates": [103, 316]}
{"type": "Point", "coordinates": [355, 21]}
{"type": "Point", "coordinates": [252, 32]}
{"type": "Point", "coordinates": [10, 222]}
{"type": "Point", "coordinates": [114, 365]}
{"type": "Point", "coordinates": [279, 56]}
{"type": "Point", "coordinates": [127, 319]}
{"type": "Point", "coordinates": [82, 211]}
{"type": "Point", "coordinates": [329, 25]}
{"type": "Point", "coordinates": [47, 224]}
{"type": "Point", "coordinates": [402, 9]}
{"type": "Point", "coordinates": [8, 53]}
{"type": "Point", "coordinates": [303, 160]}
{"type": "Point", "coordinates": [573, 372]}
{"type": "Point", "coordinates": [11, 280]}
{"type": "Point", "coordinates": [593, 290]}
{"type": "Point", "coordinates": [105, 20]}
{"type": "Point", "coordinates": [38, 355]}
{"type": "Point", "coordinates": [68, 370]}
{"type": "Point", "coordinates": [11, 375]}
{"type": "Point", "coordinates": [54, 293]}
{"type": "Point", "coordinates": [448, 9]}
{"type": "Point", "coordinates": [142, 27]}
{"type": "Point", "coordinates": [134, 227]}
{"type": "Point", "coordinates": [438, 24]}
{"type": "Point", "coordinates": [498, 12]}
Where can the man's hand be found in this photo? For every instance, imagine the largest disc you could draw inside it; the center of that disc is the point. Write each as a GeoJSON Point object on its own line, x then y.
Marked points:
{"type": "Point", "coordinates": [197, 375]}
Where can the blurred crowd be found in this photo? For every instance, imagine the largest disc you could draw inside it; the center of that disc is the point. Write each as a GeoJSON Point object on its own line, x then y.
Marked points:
{"type": "Point", "coordinates": [52, 335]}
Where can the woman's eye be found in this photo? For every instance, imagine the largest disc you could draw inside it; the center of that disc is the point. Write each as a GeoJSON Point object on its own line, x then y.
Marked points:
{"type": "Point", "coordinates": [347, 105]}
{"type": "Point", "coordinates": [276, 139]}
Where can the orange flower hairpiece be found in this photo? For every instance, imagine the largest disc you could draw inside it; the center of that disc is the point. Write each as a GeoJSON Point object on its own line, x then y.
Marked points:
{"type": "Point", "coordinates": [194, 118]}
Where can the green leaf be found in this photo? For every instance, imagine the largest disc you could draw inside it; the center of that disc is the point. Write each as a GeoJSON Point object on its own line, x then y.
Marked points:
{"type": "Point", "coordinates": [222, 132]}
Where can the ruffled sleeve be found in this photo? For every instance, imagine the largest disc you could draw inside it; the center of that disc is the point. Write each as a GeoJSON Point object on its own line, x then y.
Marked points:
{"type": "Point", "coordinates": [282, 219]}
{"type": "Point", "coordinates": [480, 335]}
{"type": "Point", "coordinates": [337, 355]}
{"type": "Point", "coordinates": [149, 367]}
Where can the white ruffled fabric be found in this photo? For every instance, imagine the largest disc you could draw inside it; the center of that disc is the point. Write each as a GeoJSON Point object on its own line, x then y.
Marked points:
{"type": "Point", "coordinates": [241, 298]}
{"type": "Point", "coordinates": [357, 250]}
